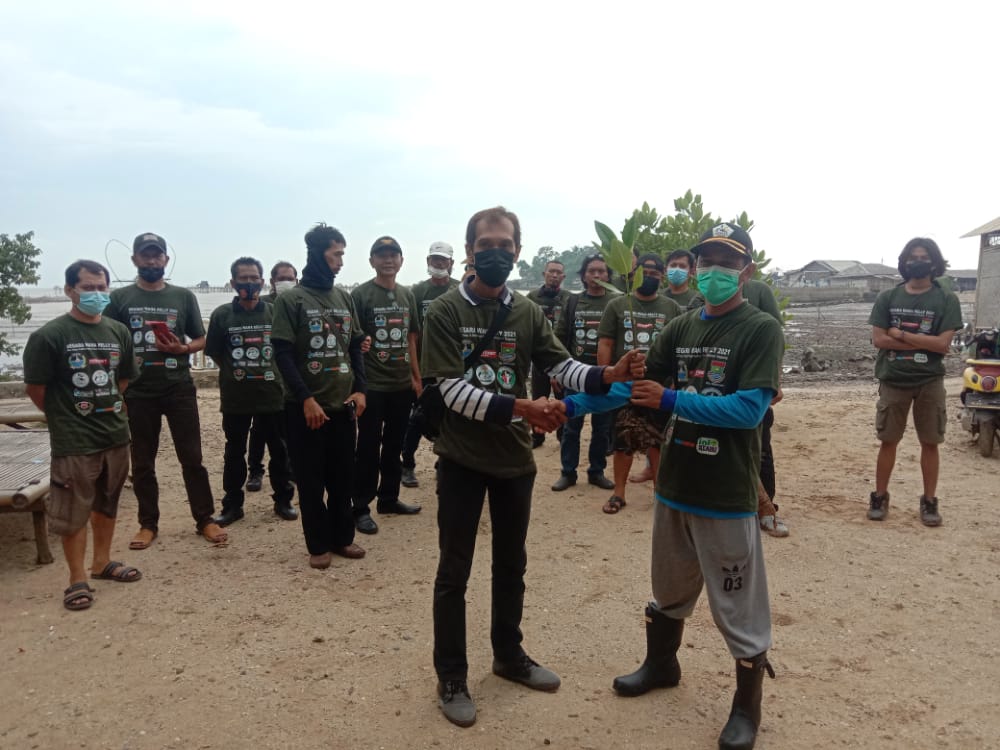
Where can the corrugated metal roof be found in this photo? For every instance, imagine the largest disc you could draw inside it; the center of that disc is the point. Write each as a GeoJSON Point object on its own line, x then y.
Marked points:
{"type": "Point", "coordinates": [993, 226]}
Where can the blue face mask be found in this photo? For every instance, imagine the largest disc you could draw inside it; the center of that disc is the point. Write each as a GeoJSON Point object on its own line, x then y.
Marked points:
{"type": "Point", "coordinates": [677, 276]}
{"type": "Point", "coordinates": [93, 303]}
{"type": "Point", "coordinates": [718, 284]}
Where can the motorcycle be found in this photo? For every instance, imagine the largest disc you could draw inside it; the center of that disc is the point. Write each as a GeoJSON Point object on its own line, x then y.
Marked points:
{"type": "Point", "coordinates": [981, 389]}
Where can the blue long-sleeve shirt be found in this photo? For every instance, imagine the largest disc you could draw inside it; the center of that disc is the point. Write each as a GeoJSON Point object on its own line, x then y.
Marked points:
{"type": "Point", "coordinates": [742, 410]}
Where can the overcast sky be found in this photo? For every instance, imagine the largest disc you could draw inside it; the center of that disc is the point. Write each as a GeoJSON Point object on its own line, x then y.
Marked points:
{"type": "Point", "coordinates": [843, 129]}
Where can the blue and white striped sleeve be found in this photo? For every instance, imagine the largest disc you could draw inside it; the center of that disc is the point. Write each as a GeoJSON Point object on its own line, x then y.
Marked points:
{"type": "Point", "coordinates": [474, 403]}
{"type": "Point", "coordinates": [579, 377]}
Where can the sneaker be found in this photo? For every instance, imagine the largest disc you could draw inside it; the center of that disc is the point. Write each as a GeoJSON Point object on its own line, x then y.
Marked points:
{"type": "Point", "coordinates": [256, 481]}
{"type": "Point", "coordinates": [456, 703]}
{"type": "Point", "coordinates": [878, 507]}
{"type": "Point", "coordinates": [773, 526]}
{"type": "Point", "coordinates": [929, 515]}
{"type": "Point", "coordinates": [528, 672]}
{"type": "Point", "coordinates": [409, 478]}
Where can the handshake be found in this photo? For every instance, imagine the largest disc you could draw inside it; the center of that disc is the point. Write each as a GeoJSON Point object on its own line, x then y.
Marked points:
{"type": "Point", "coordinates": [546, 414]}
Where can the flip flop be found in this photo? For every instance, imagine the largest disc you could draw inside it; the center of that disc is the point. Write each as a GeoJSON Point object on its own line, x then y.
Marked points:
{"type": "Point", "coordinates": [217, 537]}
{"type": "Point", "coordinates": [78, 596]}
{"type": "Point", "coordinates": [614, 505]}
{"type": "Point", "coordinates": [118, 571]}
{"type": "Point", "coordinates": [143, 539]}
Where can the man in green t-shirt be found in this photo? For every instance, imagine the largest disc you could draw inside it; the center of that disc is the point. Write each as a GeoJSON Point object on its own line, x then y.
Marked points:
{"type": "Point", "coordinates": [239, 340]}
{"type": "Point", "coordinates": [715, 370]}
{"type": "Point", "coordinates": [284, 276]}
{"type": "Point", "coordinates": [388, 314]}
{"type": "Point", "coordinates": [76, 370]}
{"type": "Point", "coordinates": [552, 298]}
{"type": "Point", "coordinates": [318, 346]}
{"type": "Point", "coordinates": [165, 322]}
{"type": "Point", "coordinates": [912, 327]}
{"type": "Point", "coordinates": [633, 324]}
{"type": "Point", "coordinates": [440, 261]}
{"type": "Point", "coordinates": [484, 447]}
{"type": "Point", "coordinates": [680, 263]}
{"type": "Point", "coordinates": [577, 330]}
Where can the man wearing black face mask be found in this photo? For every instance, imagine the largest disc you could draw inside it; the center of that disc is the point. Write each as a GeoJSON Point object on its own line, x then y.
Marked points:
{"type": "Point", "coordinates": [912, 326]}
{"type": "Point", "coordinates": [484, 447]}
{"type": "Point", "coordinates": [629, 325]}
{"type": "Point", "coordinates": [166, 327]}
{"type": "Point", "coordinates": [239, 340]}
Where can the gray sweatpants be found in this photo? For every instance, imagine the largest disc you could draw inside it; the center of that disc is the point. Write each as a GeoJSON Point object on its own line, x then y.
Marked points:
{"type": "Point", "coordinates": [723, 554]}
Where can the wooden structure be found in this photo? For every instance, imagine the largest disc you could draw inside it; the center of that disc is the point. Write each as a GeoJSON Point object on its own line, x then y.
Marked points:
{"type": "Point", "coordinates": [988, 279]}
{"type": "Point", "coordinates": [24, 470]}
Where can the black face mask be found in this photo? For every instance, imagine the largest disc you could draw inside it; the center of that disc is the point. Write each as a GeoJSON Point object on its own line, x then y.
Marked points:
{"type": "Point", "coordinates": [919, 269]}
{"type": "Point", "coordinates": [251, 289]}
{"type": "Point", "coordinates": [150, 274]}
{"type": "Point", "coordinates": [493, 266]}
{"type": "Point", "coordinates": [648, 286]}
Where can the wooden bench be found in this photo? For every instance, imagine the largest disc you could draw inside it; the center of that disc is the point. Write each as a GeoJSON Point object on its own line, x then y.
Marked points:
{"type": "Point", "coordinates": [24, 470]}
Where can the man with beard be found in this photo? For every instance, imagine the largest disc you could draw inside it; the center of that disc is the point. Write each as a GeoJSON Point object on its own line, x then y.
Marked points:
{"type": "Point", "coordinates": [912, 327]}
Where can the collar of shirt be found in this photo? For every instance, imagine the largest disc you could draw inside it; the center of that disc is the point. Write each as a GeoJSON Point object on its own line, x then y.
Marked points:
{"type": "Point", "coordinates": [506, 295]}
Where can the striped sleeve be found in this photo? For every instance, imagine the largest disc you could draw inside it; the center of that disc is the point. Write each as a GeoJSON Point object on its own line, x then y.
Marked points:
{"type": "Point", "coordinates": [474, 403]}
{"type": "Point", "coordinates": [579, 377]}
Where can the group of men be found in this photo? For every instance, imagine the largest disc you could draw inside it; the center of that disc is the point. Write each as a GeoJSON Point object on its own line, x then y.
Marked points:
{"type": "Point", "coordinates": [319, 373]}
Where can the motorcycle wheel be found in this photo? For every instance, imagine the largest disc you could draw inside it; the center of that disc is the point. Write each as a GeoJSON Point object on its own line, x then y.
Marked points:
{"type": "Point", "coordinates": [986, 439]}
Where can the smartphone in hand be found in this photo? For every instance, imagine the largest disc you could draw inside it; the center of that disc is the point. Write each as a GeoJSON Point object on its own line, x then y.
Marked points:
{"type": "Point", "coordinates": [160, 328]}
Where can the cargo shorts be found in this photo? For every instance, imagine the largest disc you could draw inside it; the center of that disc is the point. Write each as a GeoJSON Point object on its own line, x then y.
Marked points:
{"type": "Point", "coordinates": [82, 484]}
{"type": "Point", "coordinates": [929, 412]}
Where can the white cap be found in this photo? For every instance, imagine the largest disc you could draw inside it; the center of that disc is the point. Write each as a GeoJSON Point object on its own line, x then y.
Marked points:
{"type": "Point", "coordinates": [441, 249]}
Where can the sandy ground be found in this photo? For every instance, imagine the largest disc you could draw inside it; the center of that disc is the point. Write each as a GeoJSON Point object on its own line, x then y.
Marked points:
{"type": "Point", "coordinates": [882, 632]}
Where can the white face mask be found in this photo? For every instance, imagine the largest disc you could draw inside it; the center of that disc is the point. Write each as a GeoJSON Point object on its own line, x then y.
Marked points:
{"type": "Point", "coordinates": [283, 286]}
{"type": "Point", "coordinates": [437, 273]}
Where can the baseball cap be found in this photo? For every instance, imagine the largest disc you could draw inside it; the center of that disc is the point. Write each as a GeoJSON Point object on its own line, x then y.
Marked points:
{"type": "Point", "coordinates": [385, 243]}
{"type": "Point", "coordinates": [729, 235]}
{"type": "Point", "coordinates": [442, 250]}
{"type": "Point", "coordinates": [149, 239]}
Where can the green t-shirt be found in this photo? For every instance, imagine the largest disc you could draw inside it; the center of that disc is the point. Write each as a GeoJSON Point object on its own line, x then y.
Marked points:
{"type": "Point", "coordinates": [930, 312]}
{"type": "Point", "coordinates": [425, 292]}
{"type": "Point", "coordinates": [650, 319]}
{"type": "Point", "coordinates": [582, 329]}
{"type": "Point", "coordinates": [552, 307]}
{"type": "Point", "coordinates": [715, 468]}
{"type": "Point", "coordinates": [80, 365]}
{"type": "Point", "coordinates": [175, 306]}
{"type": "Point", "coordinates": [683, 299]}
{"type": "Point", "coordinates": [240, 343]}
{"type": "Point", "coordinates": [388, 317]}
{"type": "Point", "coordinates": [454, 325]}
{"type": "Point", "coordinates": [320, 325]}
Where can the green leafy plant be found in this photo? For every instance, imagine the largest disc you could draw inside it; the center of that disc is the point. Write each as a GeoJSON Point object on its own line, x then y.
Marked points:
{"type": "Point", "coordinates": [18, 266]}
{"type": "Point", "coordinates": [620, 257]}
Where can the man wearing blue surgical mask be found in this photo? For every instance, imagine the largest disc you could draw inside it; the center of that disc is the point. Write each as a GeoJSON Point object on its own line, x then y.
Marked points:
{"type": "Point", "coordinates": [678, 288]}
{"type": "Point", "coordinates": [76, 370]}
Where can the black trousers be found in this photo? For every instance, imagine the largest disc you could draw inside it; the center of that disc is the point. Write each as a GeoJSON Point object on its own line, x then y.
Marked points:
{"type": "Point", "coordinates": [234, 469]}
{"type": "Point", "coordinates": [411, 441]}
{"type": "Point", "coordinates": [255, 453]}
{"type": "Point", "coordinates": [179, 404]}
{"type": "Point", "coordinates": [378, 469]}
{"type": "Point", "coordinates": [461, 492]}
{"type": "Point", "coordinates": [766, 456]}
{"type": "Point", "coordinates": [321, 460]}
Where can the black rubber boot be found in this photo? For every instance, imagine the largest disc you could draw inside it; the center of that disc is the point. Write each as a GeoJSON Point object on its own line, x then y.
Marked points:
{"type": "Point", "coordinates": [740, 731]}
{"type": "Point", "coordinates": [661, 668]}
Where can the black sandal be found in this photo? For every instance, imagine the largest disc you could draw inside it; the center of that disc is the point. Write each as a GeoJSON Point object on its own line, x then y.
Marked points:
{"type": "Point", "coordinates": [78, 596]}
{"type": "Point", "coordinates": [614, 505]}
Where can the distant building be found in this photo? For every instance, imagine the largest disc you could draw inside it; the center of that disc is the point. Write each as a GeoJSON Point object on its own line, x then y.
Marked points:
{"type": "Point", "coordinates": [871, 277]}
{"type": "Point", "coordinates": [965, 280]}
